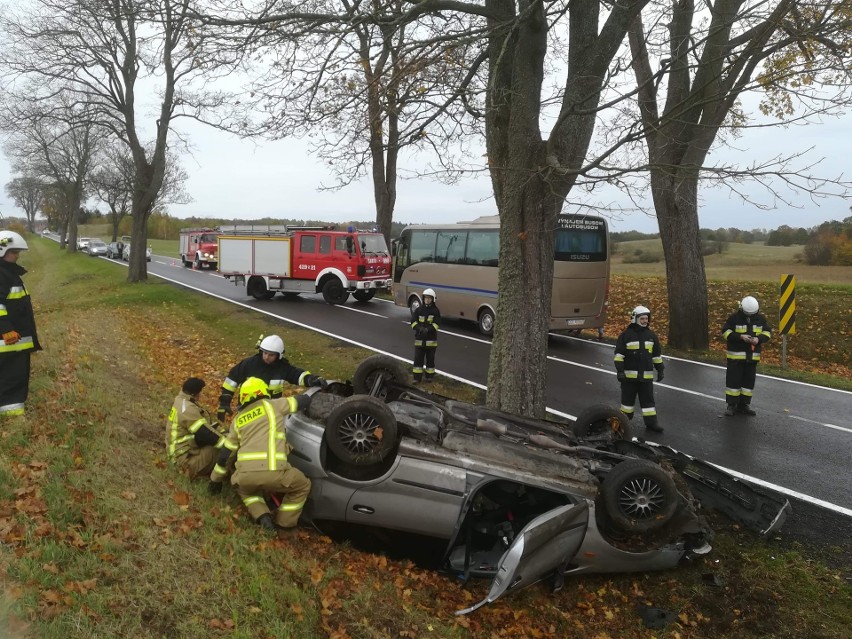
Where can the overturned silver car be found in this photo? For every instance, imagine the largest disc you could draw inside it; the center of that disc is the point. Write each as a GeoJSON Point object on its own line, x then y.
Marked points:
{"type": "Point", "coordinates": [517, 500]}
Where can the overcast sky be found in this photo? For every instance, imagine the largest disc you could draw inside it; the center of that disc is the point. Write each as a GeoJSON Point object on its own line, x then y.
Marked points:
{"type": "Point", "coordinates": [231, 178]}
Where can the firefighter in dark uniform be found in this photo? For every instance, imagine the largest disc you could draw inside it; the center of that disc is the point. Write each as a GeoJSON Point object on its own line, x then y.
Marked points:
{"type": "Point", "coordinates": [259, 439]}
{"type": "Point", "coordinates": [746, 331]}
{"type": "Point", "coordinates": [637, 354]}
{"type": "Point", "coordinates": [270, 365]}
{"type": "Point", "coordinates": [193, 440]}
{"type": "Point", "coordinates": [18, 338]}
{"type": "Point", "coordinates": [425, 321]}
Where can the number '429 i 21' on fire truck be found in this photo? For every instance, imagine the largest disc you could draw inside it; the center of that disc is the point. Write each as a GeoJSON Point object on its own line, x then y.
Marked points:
{"type": "Point", "coordinates": [199, 248]}
{"type": "Point", "coordinates": [295, 260]}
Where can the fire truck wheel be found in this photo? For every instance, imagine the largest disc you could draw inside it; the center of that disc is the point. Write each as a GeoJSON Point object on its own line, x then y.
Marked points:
{"type": "Point", "coordinates": [257, 289]}
{"type": "Point", "coordinates": [333, 291]}
{"type": "Point", "coordinates": [363, 296]}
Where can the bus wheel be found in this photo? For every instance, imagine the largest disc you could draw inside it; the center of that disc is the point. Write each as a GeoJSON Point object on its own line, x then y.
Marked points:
{"type": "Point", "coordinates": [485, 320]}
{"type": "Point", "coordinates": [333, 292]}
{"type": "Point", "coordinates": [364, 295]}
{"type": "Point", "coordinates": [257, 288]}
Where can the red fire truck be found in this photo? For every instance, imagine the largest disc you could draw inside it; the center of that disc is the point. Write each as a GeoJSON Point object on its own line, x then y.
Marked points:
{"type": "Point", "coordinates": [295, 260]}
{"type": "Point", "coordinates": [198, 247]}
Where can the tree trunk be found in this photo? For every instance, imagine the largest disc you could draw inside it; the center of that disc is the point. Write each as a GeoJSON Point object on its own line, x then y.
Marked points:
{"type": "Point", "coordinates": [523, 303]}
{"type": "Point", "coordinates": [138, 267]}
{"type": "Point", "coordinates": [676, 203]}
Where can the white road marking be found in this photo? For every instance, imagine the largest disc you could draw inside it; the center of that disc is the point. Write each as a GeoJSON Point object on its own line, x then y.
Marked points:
{"type": "Point", "coordinates": [811, 421]}
{"type": "Point", "coordinates": [358, 310]}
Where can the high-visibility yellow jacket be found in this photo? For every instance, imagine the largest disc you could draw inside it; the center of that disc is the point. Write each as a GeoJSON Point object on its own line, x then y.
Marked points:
{"type": "Point", "coordinates": [189, 428]}
{"type": "Point", "coordinates": [258, 437]}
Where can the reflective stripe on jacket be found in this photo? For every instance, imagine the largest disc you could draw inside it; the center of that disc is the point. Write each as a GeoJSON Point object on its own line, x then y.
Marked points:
{"type": "Point", "coordinates": [274, 375]}
{"type": "Point", "coordinates": [638, 353]}
{"type": "Point", "coordinates": [428, 317]}
{"type": "Point", "coordinates": [16, 310]}
{"type": "Point", "coordinates": [186, 418]}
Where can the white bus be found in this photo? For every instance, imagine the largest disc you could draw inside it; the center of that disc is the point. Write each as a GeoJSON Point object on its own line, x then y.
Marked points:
{"type": "Point", "coordinates": [460, 261]}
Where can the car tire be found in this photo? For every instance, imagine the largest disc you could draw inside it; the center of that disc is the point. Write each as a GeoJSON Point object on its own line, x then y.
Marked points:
{"type": "Point", "coordinates": [322, 405]}
{"type": "Point", "coordinates": [485, 321]}
{"type": "Point", "coordinates": [599, 421]}
{"type": "Point", "coordinates": [333, 292]}
{"type": "Point", "coordinates": [639, 496]}
{"type": "Point", "coordinates": [363, 295]}
{"type": "Point", "coordinates": [365, 375]}
{"type": "Point", "coordinates": [361, 431]}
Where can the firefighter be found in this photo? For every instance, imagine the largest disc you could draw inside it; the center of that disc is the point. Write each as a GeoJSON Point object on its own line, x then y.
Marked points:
{"type": "Point", "coordinates": [746, 331]}
{"type": "Point", "coordinates": [637, 354]}
{"type": "Point", "coordinates": [270, 365]}
{"type": "Point", "coordinates": [193, 440]}
{"type": "Point", "coordinates": [424, 321]}
{"type": "Point", "coordinates": [18, 338]}
{"type": "Point", "coordinates": [258, 437]}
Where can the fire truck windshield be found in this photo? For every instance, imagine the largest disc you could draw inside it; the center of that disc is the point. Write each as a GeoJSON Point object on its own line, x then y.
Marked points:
{"type": "Point", "coordinates": [208, 237]}
{"type": "Point", "coordinates": [372, 243]}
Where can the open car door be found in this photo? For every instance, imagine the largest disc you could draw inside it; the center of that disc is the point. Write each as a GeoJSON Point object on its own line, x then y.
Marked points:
{"type": "Point", "coordinates": [545, 544]}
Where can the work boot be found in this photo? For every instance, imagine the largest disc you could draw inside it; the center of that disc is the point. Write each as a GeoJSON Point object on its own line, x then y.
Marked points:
{"type": "Point", "coordinates": [654, 426]}
{"type": "Point", "coordinates": [416, 380]}
{"type": "Point", "coordinates": [745, 409]}
{"type": "Point", "coordinates": [730, 410]}
{"type": "Point", "coordinates": [265, 522]}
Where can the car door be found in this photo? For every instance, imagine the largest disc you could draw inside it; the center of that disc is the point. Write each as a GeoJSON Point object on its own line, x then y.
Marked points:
{"type": "Point", "coordinates": [418, 495]}
{"type": "Point", "coordinates": [546, 543]}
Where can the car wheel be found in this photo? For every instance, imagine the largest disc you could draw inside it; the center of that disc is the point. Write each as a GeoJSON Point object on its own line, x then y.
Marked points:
{"type": "Point", "coordinates": [333, 292]}
{"type": "Point", "coordinates": [364, 296]}
{"type": "Point", "coordinates": [377, 366]}
{"type": "Point", "coordinates": [257, 289]}
{"type": "Point", "coordinates": [602, 422]}
{"type": "Point", "coordinates": [361, 431]}
{"type": "Point", "coordinates": [639, 496]}
{"type": "Point", "coordinates": [322, 405]}
{"type": "Point", "coordinates": [485, 320]}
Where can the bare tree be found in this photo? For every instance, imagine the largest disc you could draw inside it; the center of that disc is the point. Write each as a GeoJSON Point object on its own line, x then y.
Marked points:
{"type": "Point", "coordinates": [364, 85]}
{"type": "Point", "coordinates": [53, 139]}
{"type": "Point", "coordinates": [531, 173]}
{"type": "Point", "coordinates": [27, 192]}
{"type": "Point", "coordinates": [112, 183]}
{"type": "Point", "coordinates": [705, 62]}
{"type": "Point", "coordinates": [112, 54]}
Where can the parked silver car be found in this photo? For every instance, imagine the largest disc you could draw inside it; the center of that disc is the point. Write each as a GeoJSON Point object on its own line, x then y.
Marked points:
{"type": "Point", "coordinates": [517, 500]}
{"type": "Point", "coordinates": [96, 248]}
{"type": "Point", "coordinates": [125, 254]}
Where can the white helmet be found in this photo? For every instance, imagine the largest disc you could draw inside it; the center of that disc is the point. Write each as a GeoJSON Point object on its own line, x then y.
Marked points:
{"type": "Point", "coordinates": [272, 344]}
{"type": "Point", "coordinates": [431, 293]}
{"type": "Point", "coordinates": [749, 305]}
{"type": "Point", "coordinates": [11, 240]}
{"type": "Point", "coordinates": [639, 310]}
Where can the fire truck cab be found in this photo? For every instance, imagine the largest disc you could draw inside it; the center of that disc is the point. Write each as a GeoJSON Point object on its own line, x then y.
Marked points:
{"type": "Point", "coordinates": [299, 260]}
{"type": "Point", "coordinates": [199, 248]}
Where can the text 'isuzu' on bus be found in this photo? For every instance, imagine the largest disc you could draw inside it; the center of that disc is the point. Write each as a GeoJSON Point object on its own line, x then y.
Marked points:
{"type": "Point", "coordinates": [199, 248]}
{"type": "Point", "coordinates": [295, 260]}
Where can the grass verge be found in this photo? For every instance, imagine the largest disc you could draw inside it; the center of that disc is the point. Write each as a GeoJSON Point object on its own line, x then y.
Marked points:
{"type": "Point", "coordinates": [101, 539]}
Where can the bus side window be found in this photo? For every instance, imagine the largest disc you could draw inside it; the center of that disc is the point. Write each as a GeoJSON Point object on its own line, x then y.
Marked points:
{"type": "Point", "coordinates": [423, 246]}
{"type": "Point", "coordinates": [483, 248]}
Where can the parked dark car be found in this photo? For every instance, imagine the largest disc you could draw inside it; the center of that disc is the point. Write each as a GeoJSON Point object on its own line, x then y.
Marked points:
{"type": "Point", "coordinates": [515, 499]}
{"type": "Point", "coordinates": [114, 250]}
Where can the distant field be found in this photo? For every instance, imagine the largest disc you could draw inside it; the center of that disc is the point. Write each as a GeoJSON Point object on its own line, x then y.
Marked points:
{"type": "Point", "coordinates": [754, 262]}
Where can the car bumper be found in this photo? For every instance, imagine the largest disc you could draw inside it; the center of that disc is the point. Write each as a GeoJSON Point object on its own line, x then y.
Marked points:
{"type": "Point", "coordinates": [373, 284]}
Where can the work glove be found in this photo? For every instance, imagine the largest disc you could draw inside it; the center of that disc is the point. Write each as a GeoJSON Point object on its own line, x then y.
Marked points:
{"type": "Point", "coordinates": [660, 374]}
{"type": "Point", "coordinates": [421, 332]}
{"type": "Point", "coordinates": [303, 402]}
{"type": "Point", "coordinates": [621, 377]}
{"type": "Point", "coordinates": [316, 380]}
{"type": "Point", "coordinates": [214, 487]}
{"type": "Point", "coordinates": [223, 412]}
{"type": "Point", "coordinates": [11, 337]}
